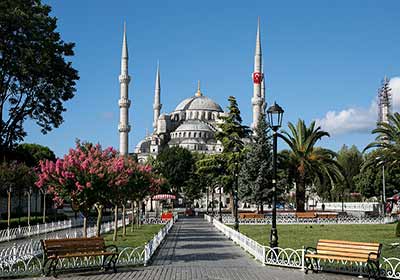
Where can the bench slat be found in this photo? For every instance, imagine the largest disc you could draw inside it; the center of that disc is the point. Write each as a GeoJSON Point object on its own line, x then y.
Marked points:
{"type": "Point", "coordinates": [344, 254]}
{"type": "Point", "coordinates": [344, 250]}
{"type": "Point", "coordinates": [349, 242]}
{"type": "Point", "coordinates": [329, 257]}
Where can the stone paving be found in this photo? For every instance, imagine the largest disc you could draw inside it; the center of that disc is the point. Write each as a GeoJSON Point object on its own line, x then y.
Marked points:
{"type": "Point", "coordinates": [195, 250]}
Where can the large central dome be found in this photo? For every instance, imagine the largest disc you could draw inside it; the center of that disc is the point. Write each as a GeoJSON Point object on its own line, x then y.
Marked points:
{"type": "Point", "coordinates": [198, 103]}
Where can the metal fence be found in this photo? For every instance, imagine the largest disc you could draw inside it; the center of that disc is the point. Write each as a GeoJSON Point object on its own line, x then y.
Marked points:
{"type": "Point", "coordinates": [26, 259]}
{"type": "Point", "coordinates": [151, 246]}
{"type": "Point", "coordinates": [294, 258]}
{"type": "Point", "coordinates": [292, 219]}
{"type": "Point", "coordinates": [31, 230]}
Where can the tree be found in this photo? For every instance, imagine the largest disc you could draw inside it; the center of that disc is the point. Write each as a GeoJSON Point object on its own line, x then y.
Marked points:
{"type": "Point", "coordinates": [231, 136]}
{"type": "Point", "coordinates": [85, 176]}
{"type": "Point", "coordinates": [32, 154]}
{"type": "Point", "coordinates": [212, 169]}
{"type": "Point", "coordinates": [256, 172]}
{"type": "Point", "coordinates": [309, 163]}
{"type": "Point", "coordinates": [15, 178]}
{"type": "Point", "coordinates": [176, 165]}
{"type": "Point", "coordinates": [351, 161]}
{"type": "Point", "coordinates": [232, 131]}
{"type": "Point", "coordinates": [35, 78]}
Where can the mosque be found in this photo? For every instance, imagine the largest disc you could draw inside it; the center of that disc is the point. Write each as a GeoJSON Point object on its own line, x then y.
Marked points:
{"type": "Point", "coordinates": [195, 120]}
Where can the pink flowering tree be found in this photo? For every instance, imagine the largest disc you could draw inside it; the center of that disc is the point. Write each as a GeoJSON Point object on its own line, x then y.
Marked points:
{"type": "Point", "coordinates": [85, 176]}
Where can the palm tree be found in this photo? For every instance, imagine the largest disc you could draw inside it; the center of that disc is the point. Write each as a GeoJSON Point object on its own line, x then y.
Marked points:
{"type": "Point", "coordinates": [387, 141]}
{"type": "Point", "coordinates": [308, 163]}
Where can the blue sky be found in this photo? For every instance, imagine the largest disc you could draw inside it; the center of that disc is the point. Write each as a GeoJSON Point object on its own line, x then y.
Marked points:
{"type": "Point", "coordinates": [319, 57]}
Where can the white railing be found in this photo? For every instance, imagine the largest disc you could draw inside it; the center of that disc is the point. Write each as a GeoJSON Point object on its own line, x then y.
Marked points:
{"type": "Point", "coordinates": [27, 259]}
{"type": "Point", "coordinates": [151, 246]}
{"type": "Point", "coordinates": [248, 244]}
{"type": "Point", "coordinates": [26, 250]}
{"type": "Point", "coordinates": [31, 230]}
{"type": "Point", "coordinates": [294, 258]}
{"type": "Point", "coordinates": [351, 206]}
{"type": "Point", "coordinates": [291, 219]}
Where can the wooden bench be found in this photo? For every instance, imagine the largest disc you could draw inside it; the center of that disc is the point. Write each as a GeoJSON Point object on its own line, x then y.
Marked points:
{"type": "Point", "coordinates": [339, 250]}
{"type": "Point", "coordinates": [56, 249]}
{"type": "Point", "coordinates": [327, 215]}
{"type": "Point", "coordinates": [306, 215]}
{"type": "Point", "coordinates": [251, 216]}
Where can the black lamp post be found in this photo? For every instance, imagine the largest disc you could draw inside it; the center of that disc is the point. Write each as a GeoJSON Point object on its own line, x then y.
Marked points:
{"type": "Point", "coordinates": [212, 202]}
{"type": "Point", "coordinates": [220, 204]}
{"type": "Point", "coordinates": [275, 115]}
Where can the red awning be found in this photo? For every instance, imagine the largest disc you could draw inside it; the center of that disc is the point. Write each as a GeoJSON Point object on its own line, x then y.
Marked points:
{"type": "Point", "coordinates": [164, 196]}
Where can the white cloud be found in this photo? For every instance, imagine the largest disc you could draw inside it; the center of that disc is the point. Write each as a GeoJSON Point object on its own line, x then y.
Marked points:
{"type": "Point", "coordinates": [358, 119]}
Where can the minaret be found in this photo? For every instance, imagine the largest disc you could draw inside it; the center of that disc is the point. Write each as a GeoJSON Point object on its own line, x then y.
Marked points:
{"type": "Point", "coordinates": [157, 105]}
{"type": "Point", "coordinates": [257, 101]}
{"type": "Point", "coordinates": [124, 102]}
{"type": "Point", "coordinates": [264, 104]}
{"type": "Point", "coordinates": [385, 101]}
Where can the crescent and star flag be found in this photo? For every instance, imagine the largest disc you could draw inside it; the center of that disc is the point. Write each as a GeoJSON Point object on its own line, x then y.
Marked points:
{"type": "Point", "coordinates": [257, 77]}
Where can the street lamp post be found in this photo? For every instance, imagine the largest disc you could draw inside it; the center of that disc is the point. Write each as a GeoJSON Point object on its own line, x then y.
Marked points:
{"type": "Point", "coordinates": [220, 204]}
{"type": "Point", "coordinates": [207, 200]}
{"type": "Point", "coordinates": [212, 202]}
{"type": "Point", "coordinates": [275, 114]}
{"type": "Point", "coordinates": [381, 161]}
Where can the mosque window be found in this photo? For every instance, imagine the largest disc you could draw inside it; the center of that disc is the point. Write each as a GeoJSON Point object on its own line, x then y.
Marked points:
{"type": "Point", "coordinates": [189, 134]}
{"type": "Point", "coordinates": [184, 134]}
{"type": "Point", "coordinates": [194, 134]}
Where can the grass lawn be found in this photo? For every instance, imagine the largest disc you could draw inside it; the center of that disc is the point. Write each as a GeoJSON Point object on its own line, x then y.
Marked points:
{"type": "Point", "coordinates": [137, 238]}
{"type": "Point", "coordinates": [296, 236]}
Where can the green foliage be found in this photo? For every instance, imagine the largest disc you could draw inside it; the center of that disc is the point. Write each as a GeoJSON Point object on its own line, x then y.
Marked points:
{"type": "Point", "coordinates": [176, 165]}
{"type": "Point", "coordinates": [256, 171]}
{"type": "Point", "coordinates": [17, 176]}
{"type": "Point", "coordinates": [388, 141]}
{"type": "Point", "coordinates": [307, 164]}
{"type": "Point", "coordinates": [232, 131]}
{"type": "Point", "coordinates": [35, 78]}
{"type": "Point", "coordinates": [369, 181]}
{"type": "Point", "coordinates": [31, 154]}
{"type": "Point", "coordinates": [351, 160]}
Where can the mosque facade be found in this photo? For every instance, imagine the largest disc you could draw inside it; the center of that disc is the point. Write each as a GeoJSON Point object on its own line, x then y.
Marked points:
{"type": "Point", "coordinates": [195, 120]}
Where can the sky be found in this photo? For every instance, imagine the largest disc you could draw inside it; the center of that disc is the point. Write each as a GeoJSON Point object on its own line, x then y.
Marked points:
{"type": "Point", "coordinates": [323, 61]}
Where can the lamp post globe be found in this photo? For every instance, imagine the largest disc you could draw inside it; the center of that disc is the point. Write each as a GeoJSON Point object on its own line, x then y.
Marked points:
{"type": "Point", "coordinates": [275, 116]}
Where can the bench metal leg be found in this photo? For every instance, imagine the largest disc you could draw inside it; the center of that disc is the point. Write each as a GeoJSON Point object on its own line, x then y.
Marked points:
{"type": "Point", "coordinates": [112, 260]}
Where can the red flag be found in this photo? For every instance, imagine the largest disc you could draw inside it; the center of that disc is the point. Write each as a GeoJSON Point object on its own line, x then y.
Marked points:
{"type": "Point", "coordinates": [257, 77]}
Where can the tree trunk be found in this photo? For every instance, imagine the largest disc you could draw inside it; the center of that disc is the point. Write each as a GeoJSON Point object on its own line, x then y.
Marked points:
{"type": "Point", "coordinates": [262, 208]}
{"type": "Point", "coordinates": [133, 216]}
{"type": "Point", "coordinates": [44, 207]}
{"type": "Point", "coordinates": [123, 220]}
{"type": "Point", "coordinates": [300, 194]}
{"type": "Point", "coordinates": [232, 204]}
{"type": "Point", "coordinates": [8, 208]}
{"type": "Point", "coordinates": [99, 208]}
{"type": "Point", "coordinates": [115, 223]}
{"type": "Point", "coordinates": [138, 214]}
{"type": "Point", "coordinates": [85, 226]}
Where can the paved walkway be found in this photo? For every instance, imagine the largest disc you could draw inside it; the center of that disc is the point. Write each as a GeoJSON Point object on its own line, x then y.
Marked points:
{"type": "Point", "coordinates": [195, 250]}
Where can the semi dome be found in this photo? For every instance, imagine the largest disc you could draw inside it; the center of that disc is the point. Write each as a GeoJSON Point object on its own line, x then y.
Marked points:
{"type": "Point", "coordinates": [194, 125]}
{"type": "Point", "coordinates": [202, 103]}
